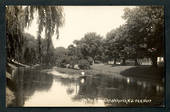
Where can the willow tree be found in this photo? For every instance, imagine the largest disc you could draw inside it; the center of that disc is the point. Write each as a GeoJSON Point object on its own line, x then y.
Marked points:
{"type": "Point", "coordinates": [49, 19]}
{"type": "Point", "coordinates": [14, 27]}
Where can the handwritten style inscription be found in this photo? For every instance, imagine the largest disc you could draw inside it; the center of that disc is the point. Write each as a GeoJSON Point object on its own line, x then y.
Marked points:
{"type": "Point", "coordinates": [127, 101]}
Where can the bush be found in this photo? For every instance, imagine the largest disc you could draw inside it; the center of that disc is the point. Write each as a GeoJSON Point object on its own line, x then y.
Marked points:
{"type": "Point", "coordinates": [84, 64]}
{"type": "Point", "coordinates": [71, 61]}
{"type": "Point", "coordinates": [90, 60]}
{"type": "Point", "coordinates": [61, 62]}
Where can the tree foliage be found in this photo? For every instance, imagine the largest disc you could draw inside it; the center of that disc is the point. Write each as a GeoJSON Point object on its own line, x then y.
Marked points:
{"type": "Point", "coordinates": [50, 18]}
{"type": "Point", "coordinates": [141, 36]}
{"type": "Point", "coordinates": [146, 30]}
{"type": "Point", "coordinates": [90, 45]}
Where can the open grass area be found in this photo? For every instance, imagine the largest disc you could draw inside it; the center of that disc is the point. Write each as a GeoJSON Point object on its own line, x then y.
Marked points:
{"type": "Point", "coordinates": [142, 72]}
{"type": "Point", "coordinates": [96, 69]}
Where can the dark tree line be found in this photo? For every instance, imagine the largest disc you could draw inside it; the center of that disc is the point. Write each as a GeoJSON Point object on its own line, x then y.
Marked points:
{"type": "Point", "coordinates": [140, 37]}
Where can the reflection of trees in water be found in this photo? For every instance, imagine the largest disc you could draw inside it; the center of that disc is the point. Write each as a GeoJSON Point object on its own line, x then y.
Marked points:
{"type": "Point", "coordinates": [70, 90]}
{"type": "Point", "coordinates": [67, 81]}
{"type": "Point", "coordinates": [108, 88]}
{"type": "Point", "coordinates": [27, 82]}
{"type": "Point", "coordinates": [70, 83]}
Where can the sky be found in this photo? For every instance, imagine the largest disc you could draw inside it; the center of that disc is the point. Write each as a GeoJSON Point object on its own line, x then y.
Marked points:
{"type": "Point", "coordinates": [82, 19]}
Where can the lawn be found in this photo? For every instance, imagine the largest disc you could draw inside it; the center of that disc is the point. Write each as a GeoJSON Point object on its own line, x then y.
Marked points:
{"type": "Point", "coordinates": [140, 72]}
{"type": "Point", "coordinates": [96, 69]}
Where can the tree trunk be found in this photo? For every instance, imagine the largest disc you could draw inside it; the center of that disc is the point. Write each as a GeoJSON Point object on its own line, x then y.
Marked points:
{"type": "Point", "coordinates": [93, 61]}
{"type": "Point", "coordinates": [39, 60]}
{"type": "Point", "coordinates": [114, 61]}
{"type": "Point", "coordinates": [124, 61]}
{"type": "Point", "coordinates": [136, 62]}
{"type": "Point", "coordinates": [154, 61]}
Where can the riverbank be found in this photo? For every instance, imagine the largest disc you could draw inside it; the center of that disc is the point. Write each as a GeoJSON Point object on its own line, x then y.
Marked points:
{"type": "Point", "coordinates": [145, 72]}
{"type": "Point", "coordinates": [9, 96]}
{"type": "Point", "coordinates": [9, 92]}
{"type": "Point", "coordinates": [141, 72]}
{"type": "Point", "coordinates": [96, 69]}
{"type": "Point", "coordinates": [10, 86]}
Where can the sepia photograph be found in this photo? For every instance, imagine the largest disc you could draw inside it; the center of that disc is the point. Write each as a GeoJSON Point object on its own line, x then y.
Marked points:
{"type": "Point", "coordinates": [85, 56]}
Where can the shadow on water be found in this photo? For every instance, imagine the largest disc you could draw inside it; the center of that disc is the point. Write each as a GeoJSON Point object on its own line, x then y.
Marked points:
{"type": "Point", "coordinates": [113, 90]}
{"type": "Point", "coordinates": [98, 90]}
{"type": "Point", "coordinates": [28, 81]}
{"type": "Point", "coordinates": [154, 74]}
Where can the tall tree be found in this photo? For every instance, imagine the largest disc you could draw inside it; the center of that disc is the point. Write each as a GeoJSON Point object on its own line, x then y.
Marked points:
{"type": "Point", "coordinates": [90, 45]}
{"type": "Point", "coordinates": [146, 27]}
{"type": "Point", "coordinates": [50, 18]}
{"type": "Point", "coordinates": [111, 46]}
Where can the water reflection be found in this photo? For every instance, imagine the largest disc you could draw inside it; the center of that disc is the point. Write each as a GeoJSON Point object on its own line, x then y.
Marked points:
{"type": "Point", "coordinates": [108, 88]}
{"type": "Point", "coordinates": [36, 88]}
{"type": "Point", "coordinates": [128, 80]}
{"type": "Point", "coordinates": [27, 82]}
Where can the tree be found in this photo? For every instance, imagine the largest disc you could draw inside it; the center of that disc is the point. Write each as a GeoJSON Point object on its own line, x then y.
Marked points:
{"type": "Point", "coordinates": [29, 49]}
{"type": "Point", "coordinates": [111, 46]}
{"type": "Point", "coordinates": [117, 44]}
{"type": "Point", "coordinates": [90, 45]}
{"type": "Point", "coordinates": [50, 18]}
{"type": "Point", "coordinates": [146, 27]}
{"type": "Point", "coordinates": [14, 27]}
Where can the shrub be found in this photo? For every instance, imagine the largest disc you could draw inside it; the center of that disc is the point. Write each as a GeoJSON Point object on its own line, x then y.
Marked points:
{"type": "Point", "coordinates": [90, 60]}
{"type": "Point", "coordinates": [84, 64]}
{"type": "Point", "coordinates": [61, 62]}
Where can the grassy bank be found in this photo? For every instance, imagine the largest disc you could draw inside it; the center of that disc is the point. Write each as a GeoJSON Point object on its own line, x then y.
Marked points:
{"type": "Point", "coordinates": [96, 69]}
{"type": "Point", "coordinates": [140, 72]}
{"type": "Point", "coordinates": [145, 72]}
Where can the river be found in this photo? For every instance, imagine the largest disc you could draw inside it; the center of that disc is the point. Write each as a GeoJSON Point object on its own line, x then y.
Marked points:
{"type": "Point", "coordinates": [35, 88]}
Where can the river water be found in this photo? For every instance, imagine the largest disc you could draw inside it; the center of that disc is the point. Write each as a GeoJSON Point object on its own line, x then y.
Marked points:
{"type": "Point", "coordinates": [35, 88]}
